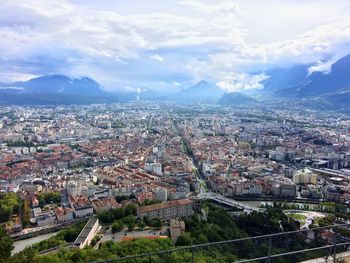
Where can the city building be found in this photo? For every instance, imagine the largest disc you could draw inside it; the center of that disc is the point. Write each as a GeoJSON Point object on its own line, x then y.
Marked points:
{"type": "Point", "coordinates": [167, 210]}
{"type": "Point", "coordinates": [305, 176]}
{"type": "Point", "coordinates": [88, 233]}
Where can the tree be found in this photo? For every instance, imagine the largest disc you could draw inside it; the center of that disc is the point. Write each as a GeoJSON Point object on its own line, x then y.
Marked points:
{"type": "Point", "coordinates": [130, 210]}
{"type": "Point", "coordinates": [147, 220]}
{"type": "Point", "coordinates": [25, 213]}
{"type": "Point", "coordinates": [48, 198]}
{"type": "Point", "coordinates": [105, 217]}
{"type": "Point", "coordinates": [141, 224]}
{"type": "Point", "coordinates": [129, 219]}
{"type": "Point", "coordinates": [25, 256]}
{"type": "Point", "coordinates": [184, 240]}
{"type": "Point", "coordinates": [157, 223]}
{"type": "Point", "coordinates": [69, 234]}
{"type": "Point", "coordinates": [95, 240]}
{"type": "Point", "coordinates": [327, 220]}
{"type": "Point", "coordinates": [131, 226]}
{"type": "Point", "coordinates": [117, 226]}
{"type": "Point", "coordinates": [9, 204]}
{"type": "Point", "coordinates": [6, 245]}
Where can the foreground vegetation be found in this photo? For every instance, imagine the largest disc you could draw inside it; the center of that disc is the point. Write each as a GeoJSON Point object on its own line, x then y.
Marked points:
{"type": "Point", "coordinates": [218, 225]}
{"type": "Point", "coordinates": [9, 205]}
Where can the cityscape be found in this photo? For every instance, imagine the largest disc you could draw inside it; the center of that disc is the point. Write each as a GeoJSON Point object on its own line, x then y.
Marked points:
{"type": "Point", "coordinates": [63, 165]}
{"type": "Point", "coordinates": [174, 131]}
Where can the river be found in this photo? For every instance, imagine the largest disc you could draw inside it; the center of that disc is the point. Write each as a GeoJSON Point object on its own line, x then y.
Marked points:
{"type": "Point", "coordinates": [257, 204]}
{"type": "Point", "coordinates": [22, 244]}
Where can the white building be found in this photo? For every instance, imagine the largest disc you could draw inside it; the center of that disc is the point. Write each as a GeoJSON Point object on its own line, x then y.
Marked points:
{"type": "Point", "coordinates": [305, 176]}
{"type": "Point", "coordinates": [88, 233]}
{"type": "Point", "coordinates": [155, 168]}
{"type": "Point", "coordinates": [161, 194]}
{"type": "Point", "coordinates": [83, 211]}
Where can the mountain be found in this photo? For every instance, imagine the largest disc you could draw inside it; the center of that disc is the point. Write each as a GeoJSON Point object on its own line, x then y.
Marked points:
{"type": "Point", "coordinates": [60, 84]}
{"type": "Point", "coordinates": [235, 98]}
{"type": "Point", "coordinates": [337, 80]}
{"type": "Point", "coordinates": [156, 95]}
{"type": "Point", "coordinates": [296, 82]}
{"type": "Point", "coordinates": [202, 91]}
{"type": "Point", "coordinates": [58, 90]}
{"type": "Point", "coordinates": [284, 78]}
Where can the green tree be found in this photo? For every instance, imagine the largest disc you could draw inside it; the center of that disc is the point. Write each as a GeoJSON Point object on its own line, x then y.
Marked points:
{"type": "Point", "coordinates": [6, 245]}
{"type": "Point", "coordinates": [130, 210]}
{"type": "Point", "coordinates": [129, 219]}
{"type": "Point", "coordinates": [327, 220]}
{"type": "Point", "coordinates": [48, 198]}
{"type": "Point", "coordinates": [141, 224]}
{"type": "Point", "coordinates": [147, 221]}
{"type": "Point", "coordinates": [9, 204]}
{"type": "Point", "coordinates": [184, 240]}
{"type": "Point", "coordinates": [25, 213]}
{"type": "Point", "coordinates": [95, 240]}
{"type": "Point", "coordinates": [25, 256]}
{"type": "Point", "coordinates": [131, 226]}
{"type": "Point", "coordinates": [117, 226]}
{"type": "Point", "coordinates": [157, 223]}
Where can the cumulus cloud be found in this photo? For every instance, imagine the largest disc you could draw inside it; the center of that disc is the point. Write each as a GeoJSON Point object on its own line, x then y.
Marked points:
{"type": "Point", "coordinates": [320, 66]}
{"type": "Point", "coordinates": [121, 45]}
{"type": "Point", "coordinates": [325, 67]}
{"type": "Point", "coordinates": [242, 81]}
{"type": "Point", "coordinates": [157, 58]}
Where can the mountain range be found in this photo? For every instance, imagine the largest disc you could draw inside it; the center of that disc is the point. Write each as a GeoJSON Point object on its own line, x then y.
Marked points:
{"type": "Point", "coordinates": [56, 84]}
{"type": "Point", "coordinates": [58, 90]}
{"type": "Point", "coordinates": [332, 88]}
{"type": "Point", "coordinates": [202, 91]}
{"type": "Point", "coordinates": [297, 82]}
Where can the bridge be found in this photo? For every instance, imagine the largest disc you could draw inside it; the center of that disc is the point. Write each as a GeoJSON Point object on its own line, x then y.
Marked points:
{"type": "Point", "coordinates": [226, 201]}
{"type": "Point", "coordinates": [330, 172]}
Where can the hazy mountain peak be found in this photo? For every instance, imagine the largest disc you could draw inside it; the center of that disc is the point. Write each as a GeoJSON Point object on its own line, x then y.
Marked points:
{"type": "Point", "coordinates": [202, 83]}
{"type": "Point", "coordinates": [235, 98]}
{"type": "Point", "coordinates": [202, 90]}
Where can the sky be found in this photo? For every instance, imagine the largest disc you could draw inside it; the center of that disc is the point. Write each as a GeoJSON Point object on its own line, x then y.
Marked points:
{"type": "Point", "coordinates": [170, 44]}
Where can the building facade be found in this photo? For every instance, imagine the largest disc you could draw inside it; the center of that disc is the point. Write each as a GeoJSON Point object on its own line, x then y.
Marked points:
{"type": "Point", "coordinates": [167, 210]}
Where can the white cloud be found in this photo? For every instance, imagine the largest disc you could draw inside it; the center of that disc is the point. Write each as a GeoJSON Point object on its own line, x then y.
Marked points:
{"type": "Point", "coordinates": [220, 7]}
{"type": "Point", "coordinates": [157, 58]}
{"type": "Point", "coordinates": [242, 81]}
{"type": "Point", "coordinates": [120, 43]}
{"type": "Point", "coordinates": [325, 66]}
{"type": "Point", "coordinates": [176, 84]}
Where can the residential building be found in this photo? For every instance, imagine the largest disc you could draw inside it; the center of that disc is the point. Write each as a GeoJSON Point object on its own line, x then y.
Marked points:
{"type": "Point", "coordinates": [167, 210]}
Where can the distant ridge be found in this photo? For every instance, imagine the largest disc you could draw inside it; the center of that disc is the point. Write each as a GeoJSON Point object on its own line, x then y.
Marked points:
{"type": "Point", "coordinates": [59, 84]}
{"type": "Point", "coordinates": [235, 98]}
{"type": "Point", "coordinates": [331, 90]}
{"type": "Point", "coordinates": [58, 90]}
{"type": "Point", "coordinates": [202, 90]}
{"type": "Point", "coordinates": [297, 82]}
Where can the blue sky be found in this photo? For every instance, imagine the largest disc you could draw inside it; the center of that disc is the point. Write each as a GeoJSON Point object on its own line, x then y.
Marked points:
{"type": "Point", "coordinates": [169, 44]}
